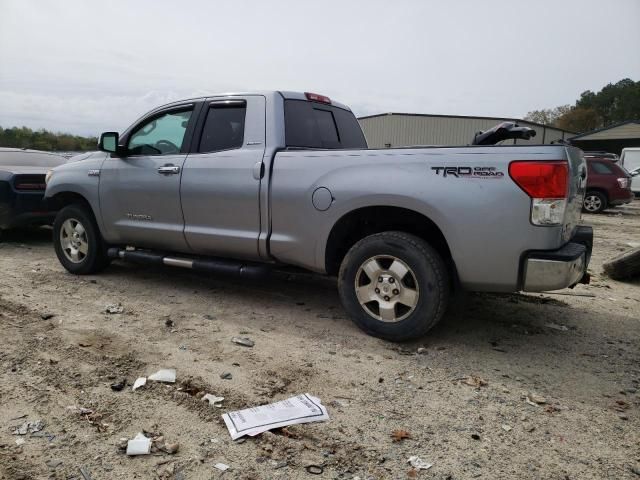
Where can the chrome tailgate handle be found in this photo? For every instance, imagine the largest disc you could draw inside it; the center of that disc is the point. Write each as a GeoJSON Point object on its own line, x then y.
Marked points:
{"type": "Point", "coordinates": [169, 169]}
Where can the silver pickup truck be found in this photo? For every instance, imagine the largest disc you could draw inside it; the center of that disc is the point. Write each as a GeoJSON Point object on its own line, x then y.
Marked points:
{"type": "Point", "coordinates": [241, 184]}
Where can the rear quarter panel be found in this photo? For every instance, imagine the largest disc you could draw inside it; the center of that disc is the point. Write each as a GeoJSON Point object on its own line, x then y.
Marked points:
{"type": "Point", "coordinates": [484, 220]}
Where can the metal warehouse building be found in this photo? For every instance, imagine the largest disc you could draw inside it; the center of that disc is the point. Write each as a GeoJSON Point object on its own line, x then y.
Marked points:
{"type": "Point", "coordinates": [406, 129]}
{"type": "Point", "coordinates": [610, 139]}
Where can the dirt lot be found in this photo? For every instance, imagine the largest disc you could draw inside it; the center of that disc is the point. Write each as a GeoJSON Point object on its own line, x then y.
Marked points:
{"type": "Point", "coordinates": [588, 374]}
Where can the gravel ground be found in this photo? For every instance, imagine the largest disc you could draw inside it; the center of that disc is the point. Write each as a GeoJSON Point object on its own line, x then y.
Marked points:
{"type": "Point", "coordinates": [576, 351]}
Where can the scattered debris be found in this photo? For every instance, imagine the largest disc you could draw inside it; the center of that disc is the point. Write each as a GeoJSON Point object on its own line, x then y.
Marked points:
{"type": "Point", "coordinates": [421, 351]}
{"type": "Point", "coordinates": [223, 467]}
{"type": "Point", "coordinates": [85, 473]}
{"type": "Point", "coordinates": [140, 445]}
{"type": "Point", "coordinates": [534, 398]}
{"type": "Point", "coordinates": [140, 382]}
{"type": "Point", "coordinates": [623, 266]}
{"type": "Point", "coordinates": [418, 463]}
{"type": "Point", "coordinates": [167, 375]}
{"type": "Point", "coordinates": [47, 316]}
{"type": "Point", "coordinates": [53, 463]}
{"type": "Point", "coordinates": [20, 441]}
{"type": "Point", "coordinates": [171, 448]}
{"type": "Point", "coordinates": [244, 341]}
{"type": "Point", "coordinates": [169, 322]}
{"type": "Point", "coordinates": [114, 309]}
{"type": "Point", "coordinates": [474, 381]}
{"type": "Point", "coordinates": [226, 376]}
{"type": "Point", "coordinates": [555, 326]}
{"type": "Point", "coordinates": [314, 469]}
{"type": "Point", "coordinates": [475, 436]}
{"type": "Point", "coordinates": [253, 421]}
{"type": "Point", "coordinates": [118, 386]}
{"type": "Point", "coordinates": [28, 427]}
{"type": "Point", "coordinates": [399, 435]}
{"type": "Point", "coordinates": [213, 400]}
{"type": "Point", "coordinates": [506, 428]}
{"type": "Point", "coordinates": [94, 418]}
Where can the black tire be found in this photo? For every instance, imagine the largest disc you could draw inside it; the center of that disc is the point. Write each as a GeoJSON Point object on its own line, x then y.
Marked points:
{"type": "Point", "coordinates": [594, 202]}
{"type": "Point", "coordinates": [624, 266]}
{"type": "Point", "coordinates": [95, 259]}
{"type": "Point", "coordinates": [427, 275]}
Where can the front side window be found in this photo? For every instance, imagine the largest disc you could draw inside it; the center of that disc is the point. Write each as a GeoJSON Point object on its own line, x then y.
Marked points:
{"type": "Point", "coordinates": [161, 135]}
{"type": "Point", "coordinates": [223, 128]}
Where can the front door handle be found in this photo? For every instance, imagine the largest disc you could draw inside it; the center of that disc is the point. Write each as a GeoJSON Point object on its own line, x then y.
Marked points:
{"type": "Point", "coordinates": [169, 169]}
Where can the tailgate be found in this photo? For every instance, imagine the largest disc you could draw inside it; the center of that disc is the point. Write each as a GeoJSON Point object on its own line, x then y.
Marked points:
{"type": "Point", "coordinates": [577, 187]}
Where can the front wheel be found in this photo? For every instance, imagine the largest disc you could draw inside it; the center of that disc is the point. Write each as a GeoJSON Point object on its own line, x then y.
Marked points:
{"type": "Point", "coordinates": [394, 285]}
{"type": "Point", "coordinates": [77, 241]}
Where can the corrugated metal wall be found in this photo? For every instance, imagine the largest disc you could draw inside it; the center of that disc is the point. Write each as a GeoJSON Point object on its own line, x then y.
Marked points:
{"type": "Point", "coordinates": [400, 130]}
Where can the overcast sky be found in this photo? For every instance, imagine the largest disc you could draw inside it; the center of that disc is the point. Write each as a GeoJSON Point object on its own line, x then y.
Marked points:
{"type": "Point", "coordinates": [86, 66]}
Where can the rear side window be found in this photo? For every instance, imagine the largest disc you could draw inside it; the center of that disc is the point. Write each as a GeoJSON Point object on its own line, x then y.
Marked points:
{"type": "Point", "coordinates": [223, 128]}
{"type": "Point", "coordinates": [314, 125]}
{"type": "Point", "coordinates": [600, 167]}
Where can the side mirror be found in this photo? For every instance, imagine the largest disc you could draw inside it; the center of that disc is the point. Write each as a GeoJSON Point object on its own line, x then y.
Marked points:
{"type": "Point", "coordinates": [108, 142]}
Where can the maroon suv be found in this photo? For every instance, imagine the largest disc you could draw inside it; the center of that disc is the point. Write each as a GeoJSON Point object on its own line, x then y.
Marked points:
{"type": "Point", "coordinates": [608, 184]}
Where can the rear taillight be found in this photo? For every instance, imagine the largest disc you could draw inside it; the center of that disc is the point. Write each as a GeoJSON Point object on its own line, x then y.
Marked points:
{"type": "Point", "coordinates": [623, 182]}
{"type": "Point", "coordinates": [547, 183]}
{"type": "Point", "coordinates": [315, 97]}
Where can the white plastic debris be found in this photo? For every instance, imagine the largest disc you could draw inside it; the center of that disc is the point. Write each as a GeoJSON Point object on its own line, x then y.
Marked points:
{"type": "Point", "coordinates": [20, 441]}
{"type": "Point", "coordinates": [167, 375]}
{"type": "Point", "coordinates": [506, 428]}
{"type": "Point", "coordinates": [221, 466]}
{"type": "Point", "coordinates": [28, 427]}
{"type": "Point", "coordinates": [114, 309]}
{"type": "Point", "coordinates": [418, 463]}
{"type": "Point", "coordinates": [139, 383]}
{"type": "Point", "coordinates": [140, 445]}
{"type": "Point", "coordinates": [555, 326]}
{"type": "Point", "coordinates": [244, 341]}
{"type": "Point", "coordinates": [253, 421]}
{"type": "Point", "coordinates": [213, 400]}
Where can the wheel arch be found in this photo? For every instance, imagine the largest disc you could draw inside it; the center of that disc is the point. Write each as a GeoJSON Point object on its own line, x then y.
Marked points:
{"type": "Point", "coordinates": [601, 190]}
{"type": "Point", "coordinates": [362, 222]}
{"type": "Point", "coordinates": [63, 199]}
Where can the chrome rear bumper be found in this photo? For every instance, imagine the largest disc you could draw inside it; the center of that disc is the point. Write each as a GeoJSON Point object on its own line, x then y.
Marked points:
{"type": "Point", "coordinates": [562, 268]}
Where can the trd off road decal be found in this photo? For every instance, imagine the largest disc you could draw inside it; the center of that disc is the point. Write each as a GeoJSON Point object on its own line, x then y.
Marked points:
{"type": "Point", "coordinates": [474, 172]}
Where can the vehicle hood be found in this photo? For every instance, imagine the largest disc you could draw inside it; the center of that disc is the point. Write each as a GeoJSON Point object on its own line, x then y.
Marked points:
{"type": "Point", "coordinates": [85, 156]}
{"type": "Point", "coordinates": [87, 160]}
{"type": "Point", "coordinates": [29, 169]}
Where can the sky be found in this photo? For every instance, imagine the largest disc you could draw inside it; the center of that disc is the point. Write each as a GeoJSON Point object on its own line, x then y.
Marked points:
{"type": "Point", "coordinates": [86, 66]}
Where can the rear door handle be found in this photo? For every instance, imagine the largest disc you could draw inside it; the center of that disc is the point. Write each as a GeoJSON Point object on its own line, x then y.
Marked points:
{"type": "Point", "coordinates": [169, 169]}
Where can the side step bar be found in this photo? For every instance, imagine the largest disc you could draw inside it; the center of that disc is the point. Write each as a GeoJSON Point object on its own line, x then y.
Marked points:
{"type": "Point", "coordinates": [224, 267]}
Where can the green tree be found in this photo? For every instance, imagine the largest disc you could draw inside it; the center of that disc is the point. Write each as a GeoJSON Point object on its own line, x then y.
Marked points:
{"type": "Point", "coordinates": [547, 116]}
{"type": "Point", "coordinates": [23, 137]}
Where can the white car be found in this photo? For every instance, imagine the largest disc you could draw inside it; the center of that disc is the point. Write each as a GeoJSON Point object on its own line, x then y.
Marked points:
{"type": "Point", "coordinates": [630, 159]}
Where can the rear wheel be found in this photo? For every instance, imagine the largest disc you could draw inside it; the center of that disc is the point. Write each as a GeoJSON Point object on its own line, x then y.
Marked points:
{"type": "Point", "coordinates": [594, 202]}
{"type": "Point", "coordinates": [77, 241]}
{"type": "Point", "coordinates": [394, 285]}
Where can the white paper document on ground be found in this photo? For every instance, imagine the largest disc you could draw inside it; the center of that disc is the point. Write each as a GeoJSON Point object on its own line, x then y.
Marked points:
{"type": "Point", "coordinates": [252, 421]}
